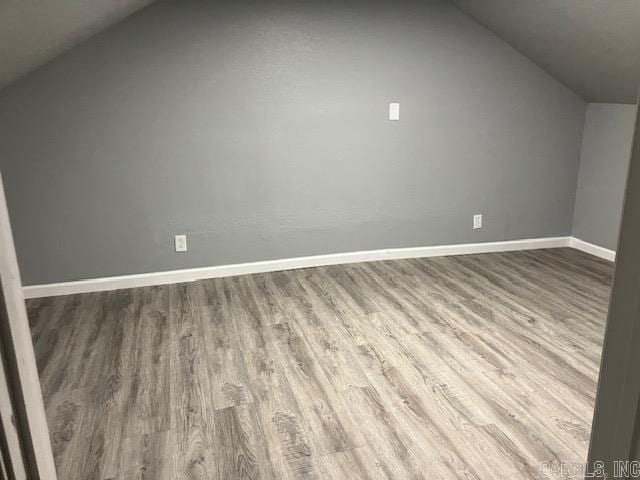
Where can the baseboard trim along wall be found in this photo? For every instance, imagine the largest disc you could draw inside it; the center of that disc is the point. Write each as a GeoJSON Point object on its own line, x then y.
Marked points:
{"type": "Point", "coordinates": [193, 274]}
{"type": "Point", "coordinates": [593, 249]}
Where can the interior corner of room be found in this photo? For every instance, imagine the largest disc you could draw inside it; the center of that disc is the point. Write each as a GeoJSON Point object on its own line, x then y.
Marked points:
{"type": "Point", "coordinates": [306, 234]}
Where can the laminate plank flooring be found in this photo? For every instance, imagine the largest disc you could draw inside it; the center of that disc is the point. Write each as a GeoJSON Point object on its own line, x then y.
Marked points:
{"type": "Point", "coordinates": [472, 367]}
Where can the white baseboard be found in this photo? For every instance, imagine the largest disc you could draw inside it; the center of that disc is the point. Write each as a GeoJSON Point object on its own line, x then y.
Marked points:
{"type": "Point", "coordinates": [592, 249]}
{"type": "Point", "coordinates": [192, 274]}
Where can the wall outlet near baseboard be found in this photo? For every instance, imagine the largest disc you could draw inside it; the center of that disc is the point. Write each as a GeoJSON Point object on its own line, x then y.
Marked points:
{"type": "Point", "coordinates": [477, 221]}
{"type": "Point", "coordinates": [181, 243]}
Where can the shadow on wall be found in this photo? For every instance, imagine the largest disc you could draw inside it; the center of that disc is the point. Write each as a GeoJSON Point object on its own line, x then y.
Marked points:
{"type": "Point", "coordinates": [604, 164]}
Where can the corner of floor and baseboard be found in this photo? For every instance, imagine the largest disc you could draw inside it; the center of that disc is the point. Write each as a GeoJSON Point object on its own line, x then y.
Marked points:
{"type": "Point", "coordinates": [592, 249]}
{"type": "Point", "coordinates": [193, 274]}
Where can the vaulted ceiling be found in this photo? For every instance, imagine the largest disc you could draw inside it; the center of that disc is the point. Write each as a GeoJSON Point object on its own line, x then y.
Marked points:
{"type": "Point", "coordinates": [592, 46]}
{"type": "Point", "coordinates": [32, 32]}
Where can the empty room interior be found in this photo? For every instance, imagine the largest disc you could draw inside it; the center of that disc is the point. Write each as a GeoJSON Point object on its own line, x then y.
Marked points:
{"type": "Point", "coordinates": [332, 239]}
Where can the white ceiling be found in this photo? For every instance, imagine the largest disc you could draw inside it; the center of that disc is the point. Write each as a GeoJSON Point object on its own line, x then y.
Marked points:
{"type": "Point", "coordinates": [592, 46]}
{"type": "Point", "coordinates": [32, 32]}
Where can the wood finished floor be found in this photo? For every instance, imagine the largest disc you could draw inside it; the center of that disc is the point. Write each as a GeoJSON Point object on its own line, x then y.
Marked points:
{"type": "Point", "coordinates": [473, 367]}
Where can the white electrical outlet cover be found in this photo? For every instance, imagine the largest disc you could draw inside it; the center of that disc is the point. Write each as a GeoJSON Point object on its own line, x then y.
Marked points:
{"type": "Point", "coordinates": [181, 243]}
{"type": "Point", "coordinates": [394, 111]}
{"type": "Point", "coordinates": [477, 222]}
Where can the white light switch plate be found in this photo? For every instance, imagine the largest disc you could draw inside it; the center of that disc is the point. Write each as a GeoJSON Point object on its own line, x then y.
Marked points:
{"type": "Point", "coordinates": [394, 111]}
{"type": "Point", "coordinates": [477, 221]}
{"type": "Point", "coordinates": [181, 243]}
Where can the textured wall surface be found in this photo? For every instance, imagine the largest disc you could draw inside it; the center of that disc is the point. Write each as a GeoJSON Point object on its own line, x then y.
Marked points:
{"type": "Point", "coordinates": [261, 130]}
{"type": "Point", "coordinates": [606, 149]}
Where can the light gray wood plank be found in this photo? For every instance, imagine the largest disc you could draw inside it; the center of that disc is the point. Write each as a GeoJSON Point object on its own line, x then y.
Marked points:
{"type": "Point", "coordinates": [472, 367]}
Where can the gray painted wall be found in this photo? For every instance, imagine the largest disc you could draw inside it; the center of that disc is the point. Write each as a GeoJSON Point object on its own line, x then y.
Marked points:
{"type": "Point", "coordinates": [33, 32]}
{"type": "Point", "coordinates": [261, 130]}
{"type": "Point", "coordinates": [589, 45]}
{"type": "Point", "coordinates": [606, 149]}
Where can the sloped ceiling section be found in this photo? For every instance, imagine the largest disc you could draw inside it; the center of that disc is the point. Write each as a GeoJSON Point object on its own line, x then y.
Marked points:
{"type": "Point", "coordinates": [592, 46]}
{"type": "Point", "coordinates": [32, 32]}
